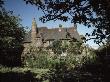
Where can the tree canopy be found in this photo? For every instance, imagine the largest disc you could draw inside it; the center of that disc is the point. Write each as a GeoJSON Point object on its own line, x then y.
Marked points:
{"type": "Point", "coordinates": [91, 13]}
{"type": "Point", "coordinates": [11, 31]}
{"type": "Point", "coordinates": [11, 37]}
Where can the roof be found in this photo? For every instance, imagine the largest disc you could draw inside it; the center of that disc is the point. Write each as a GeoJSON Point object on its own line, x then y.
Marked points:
{"type": "Point", "coordinates": [54, 33]}
{"type": "Point", "coordinates": [27, 37]}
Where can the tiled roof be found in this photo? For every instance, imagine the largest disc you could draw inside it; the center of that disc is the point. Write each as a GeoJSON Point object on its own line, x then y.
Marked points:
{"type": "Point", "coordinates": [27, 37]}
{"type": "Point", "coordinates": [54, 33]}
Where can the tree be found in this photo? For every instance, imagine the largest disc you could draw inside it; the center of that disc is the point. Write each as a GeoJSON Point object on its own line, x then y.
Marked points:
{"type": "Point", "coordinates": [87, 12]}
{"type": "Point", "coordinates": [11, 37]}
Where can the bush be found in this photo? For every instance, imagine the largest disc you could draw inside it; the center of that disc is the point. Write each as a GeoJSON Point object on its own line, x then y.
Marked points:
{"type": "Point", "coordinates": [11, 56]}
{"type": "Point", "coordinates": [43, 58]}
{"type": "Point", "coordinates": [38, 58]}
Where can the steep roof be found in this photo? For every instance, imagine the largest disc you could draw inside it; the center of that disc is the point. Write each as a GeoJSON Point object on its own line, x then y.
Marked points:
{"type": "Point", "coordinates": [54, 33]}
{"type": "Point", "coordinates": [27, 37]}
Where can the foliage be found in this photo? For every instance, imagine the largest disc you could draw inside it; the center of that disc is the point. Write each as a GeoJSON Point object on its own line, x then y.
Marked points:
{"type": "Point", "coordinates": [1, 3]}
{"type": "Point", "coordinates": [98, 69]}
{"type": "Point", "coordinates": [11, 37]}
{"type": "Point", "coordinates": [11, 56]}
{"type": "Point", "coordinates": [87, 12]}
{"type": "Point", "coordinates": [11, 31]}
{"type": "Point", "coordinates": [19, 74]}
{"type": "Point", "coordinates": [5, 69]}
{"type": "Point", "coordinates": [64, 72]}
{"type": "Point", "coordinates": [72, 52]}
{"type": "Point", "coordinates": [36, 57]}
{"type": "Point", "coordinates": [58, 72]}
{"type": "Point", "coordinates": [70, 68]}
{"type": "Point", "coordinates": [75, 48]}
{"type": "Point", "coordinates": [59, 47]}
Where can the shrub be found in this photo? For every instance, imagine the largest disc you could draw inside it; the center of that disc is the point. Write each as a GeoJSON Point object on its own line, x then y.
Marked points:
{"type": "Point", "coordinates": [38, 58]}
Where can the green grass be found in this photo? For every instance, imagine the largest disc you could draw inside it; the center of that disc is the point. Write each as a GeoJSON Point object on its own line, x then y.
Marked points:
{"type": "Point", "coordinates": [22, 72]}
{"type": "Point", "coordinates": [4, 69]}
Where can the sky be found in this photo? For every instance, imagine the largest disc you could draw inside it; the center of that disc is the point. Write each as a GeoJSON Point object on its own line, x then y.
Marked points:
{"type": "Point", "coordinates": [27, 12]}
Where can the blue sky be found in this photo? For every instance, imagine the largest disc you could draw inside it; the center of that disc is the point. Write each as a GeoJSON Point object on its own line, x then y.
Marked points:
{"type": "Point", "coordinates": [28, 12]}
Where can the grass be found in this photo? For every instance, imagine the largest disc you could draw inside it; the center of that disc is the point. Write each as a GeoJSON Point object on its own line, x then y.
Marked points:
{"type": "Point", "coordinates": [21, 72]}
{"type": "Point", "coordinates": [4, 69]}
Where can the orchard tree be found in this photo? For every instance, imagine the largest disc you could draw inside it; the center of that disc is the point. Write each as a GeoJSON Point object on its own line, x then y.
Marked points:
{"type": "Point", "coordinates": [91, 13]}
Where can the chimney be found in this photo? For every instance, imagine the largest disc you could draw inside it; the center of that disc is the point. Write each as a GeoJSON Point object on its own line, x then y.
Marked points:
{"type": "Point", "coordinates": [33, 31]}
{"type": "Point", "coordinates": [60, 27]}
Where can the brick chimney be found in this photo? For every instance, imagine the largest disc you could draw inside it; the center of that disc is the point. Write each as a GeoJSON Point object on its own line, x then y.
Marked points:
{"type": "Point", "coordinates": [34, 31]}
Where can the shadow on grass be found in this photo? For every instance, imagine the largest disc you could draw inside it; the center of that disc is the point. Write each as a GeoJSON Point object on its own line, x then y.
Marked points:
{"type": "Point", "coordinates": [11, 57]}
{"type": "Point", "coordinates": [18, 77]}
{"type": "Point", "coordinates": [100, 69]}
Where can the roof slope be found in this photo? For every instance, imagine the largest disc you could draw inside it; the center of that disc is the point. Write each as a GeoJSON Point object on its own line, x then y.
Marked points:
{"type": "Point", "coordinates": [54, 33]}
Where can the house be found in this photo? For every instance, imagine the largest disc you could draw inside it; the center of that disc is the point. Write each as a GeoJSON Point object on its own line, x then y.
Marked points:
{"type": "Point", "coordinates": [44, 37]}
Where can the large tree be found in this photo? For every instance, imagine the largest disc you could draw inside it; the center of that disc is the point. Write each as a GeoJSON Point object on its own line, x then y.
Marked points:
{"type": "Point", "coordinates": [88, 12]}
{"type": "Point", "coordinates": [11, 36]}
{"type": "Point", "coordinates": [11, 31]}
